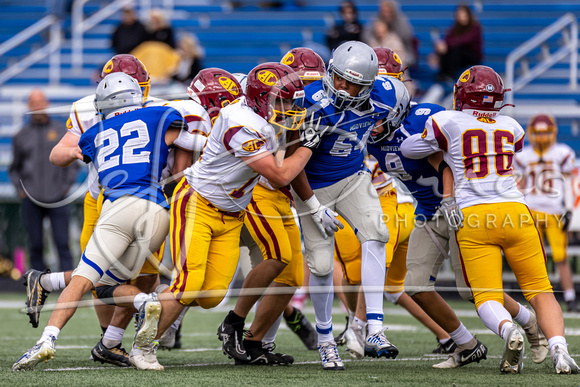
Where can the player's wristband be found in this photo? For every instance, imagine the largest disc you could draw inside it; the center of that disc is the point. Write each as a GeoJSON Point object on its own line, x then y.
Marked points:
{"type": "Point", "coordinates": [442, 166]}
{"type": "Point", "coordinates": [312, 203]}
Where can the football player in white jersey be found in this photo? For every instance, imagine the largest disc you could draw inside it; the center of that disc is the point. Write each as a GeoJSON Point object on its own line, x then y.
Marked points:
{"type": "Point", "coordinates": [239, 149]}
{"type": "Point", "coordinates": [479, 145]}
{"type": "Point", "coordinates": [546, 168]}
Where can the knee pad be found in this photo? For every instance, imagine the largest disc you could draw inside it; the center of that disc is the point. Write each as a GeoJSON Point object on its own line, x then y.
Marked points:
{"type": "Point", "coordinates": [320, 261]}
{"type": "Point", "coordinates": [105, 294]}
{"type": "Point", "coordinates": [393, 298]}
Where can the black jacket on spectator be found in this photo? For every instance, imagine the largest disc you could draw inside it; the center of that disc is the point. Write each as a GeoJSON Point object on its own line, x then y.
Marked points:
{"type": "Point", "coordinates": [127, 37]}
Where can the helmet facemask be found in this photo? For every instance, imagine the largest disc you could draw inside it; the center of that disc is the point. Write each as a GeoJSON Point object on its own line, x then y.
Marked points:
{"type": "Point", "coordinates": [287, 113]}
{"type": "Point", "coordinates": [542, 136]}
{"type": "Point", "coordinates": [341, 99]}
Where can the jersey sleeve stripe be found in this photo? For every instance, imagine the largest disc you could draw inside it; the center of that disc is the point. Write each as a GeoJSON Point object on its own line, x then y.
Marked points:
{"type": "Point", "coordinates": [200, 132]}
{"type": "Point", "coordinates": [519, 144]}
{"type": "Point", "coordinates": [78, 120]}
{"type": "Point", "coordinates": [229, 134]}
{"type": "Point", "coordinates": [440, 137]}
{"type": "Point", "coordinates": [191, 118]}
{"type": "Point", "coordinates": [565, 160]}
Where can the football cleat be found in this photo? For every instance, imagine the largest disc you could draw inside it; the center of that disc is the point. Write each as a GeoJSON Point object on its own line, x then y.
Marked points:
{"type": "Point", "coordinates": [263, 354]}
{"type": "Point", "coordinates": [35, 295]}
{"type": "Point", "coordinates": [147, 321]}
{"type": "Point", "coordinates": [377, 345]}
{"type": "Point", "coordinates": [283, 358]}
{"type": "Point", "coordinates": [167, 339]}
{"type": "Point", "coordinates": [298, 324]}
{"type": "Point", "coordinates": [459, 358]}
{"type": "Point", "coordinates": [231, 336]}
{"type": "Point", "coordinates": [116, 355]}
{"type": "Point", "coordinates": [563, 362]}
{"type": "Point", "coordinates": [43, 351]}
{"type": "Point", "coordinates": [341, 338]}
{"type": "Point", "coordinates": [513, 352]}
{"type": "Point", "coordinates": [330, 357]}
{"type": "Point", "coordinates": [355, 340]}
{"type": "Point", "coordinates": [538, 343]}
{"type": "Point", "coordinates": [445, 349]}
{"type": "Point", "coordinates": [145, 358]}
{"type": "Point", "coordinates": [572, 306]}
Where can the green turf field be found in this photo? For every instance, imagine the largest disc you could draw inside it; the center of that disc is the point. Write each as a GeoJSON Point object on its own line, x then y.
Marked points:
{"type": "Point", "coordinates": [201, 361]}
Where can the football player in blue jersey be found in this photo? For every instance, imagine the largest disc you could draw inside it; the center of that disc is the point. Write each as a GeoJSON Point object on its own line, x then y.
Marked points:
{"type": "Point", "coordinates": [129, 149]}
{"type": "Point", "coordinates": [334, 180]}
{"type": "Point", "coordinates": [432, 241]}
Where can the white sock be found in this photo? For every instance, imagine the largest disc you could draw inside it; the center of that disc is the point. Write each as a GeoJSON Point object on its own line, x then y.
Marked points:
{"type": "Point", "coordinates": [559, 341]}
{"type": "Point", "coordinates": [523, 316]}
{"type": "Point", "coordinates": [52, 281]}
{"type": "Point", "coordinates": [492, 313]}
{"type": "Point", "coordinates": [270, 336]}
{"type": "Point", "coordinates": [177, 321]}
{"type": "Point", "coordinates": [373, 268]}
{"type": "Point", "coordinates": [49, 330]}
{"type": "Point", "coordinates": [505, 329]}
{"type": "Point", "coordinates": [322, 299]}
{"type": "Point", "coordinates": [139, 300]}
{"type": "Point", "coordinates": [569, 295]}
{"type": "Point", "coordinates": [461, 335]}
{"type": "Point", "coordinates": [113, 336]}
{"type": "Point", "coordinates": [358, 321]}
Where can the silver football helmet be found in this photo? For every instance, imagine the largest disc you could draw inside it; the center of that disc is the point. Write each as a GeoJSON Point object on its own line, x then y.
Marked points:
{"type": "Point", "coordinates": [117, 91]}
{"type": "Point", "coordinates": [356, 62]}
{"type": "Point", "coordinates": [400, 110]}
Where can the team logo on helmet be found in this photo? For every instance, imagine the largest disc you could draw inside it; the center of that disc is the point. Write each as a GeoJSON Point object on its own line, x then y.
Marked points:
{"type": "Point", "coordinates": [267, 77]}
{"type": "Point", "coordinates": [396, 58]}
{"type": "Point", "coordinates": [108, 67]}
{"type": "Point", "coordinates": [288, 59]}
{"type": "Point", "coordinates": [489, 87]}
{"type": "Point", "coordinates": [229, 85]}
{"type": "Point", "coordinates": [465, 76]}
{"type": "Point", "coordinates": [354, 74]}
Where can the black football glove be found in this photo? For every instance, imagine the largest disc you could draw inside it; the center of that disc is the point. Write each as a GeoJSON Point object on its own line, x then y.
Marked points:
{"type": "Point", "coordinates": [311, 133]}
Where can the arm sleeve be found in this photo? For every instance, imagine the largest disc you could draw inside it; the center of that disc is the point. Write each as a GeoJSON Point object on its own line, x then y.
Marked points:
{"type": "Point", "coordinates": [242, 141]}
{"type": "Point", "coordinates": [432, 140]}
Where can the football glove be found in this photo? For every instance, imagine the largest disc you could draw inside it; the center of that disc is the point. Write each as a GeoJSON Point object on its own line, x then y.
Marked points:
{"type": "Point", "coordinates": [311, 132]}
{"type": "Point", "coordinates": [324, 218]}
{"type": "Point", "coordinates": [566, 219]}
{"type": "Point", "coordinates": [452, 213]}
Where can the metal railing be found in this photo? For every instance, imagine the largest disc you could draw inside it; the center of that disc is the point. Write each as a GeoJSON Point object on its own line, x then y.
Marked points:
{"type": "Point", "coordinates": [570, 47]}
{"type": "Point", "coordinates": [52, 48]}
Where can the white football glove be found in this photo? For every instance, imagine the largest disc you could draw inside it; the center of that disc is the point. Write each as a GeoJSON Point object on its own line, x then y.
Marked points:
{"type": "Point", "coordinates": [324, 218]}
{"type": "Point", "coordinates": [311, 132]}
{"type": "Point", "coordinates": [452, 213]}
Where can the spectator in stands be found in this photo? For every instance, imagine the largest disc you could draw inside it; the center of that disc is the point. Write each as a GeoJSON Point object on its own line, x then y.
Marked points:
{"type": "Point", "coordinates": [382, 37]}
{"type": "Point", "coordinates": [462, 46]}
{"type": "Point", "coordinates": [191, 54]}
{"type": "Point", "coordinates": [391, 14]}
{"type": "Point", "coordinates": [159, 30]}
{"type": "Point", "coordinates": [348, 28]}
{"type": "Point", "coordinates": [45, 184]}
{"type": "Point", "coordinates": [129, 34]}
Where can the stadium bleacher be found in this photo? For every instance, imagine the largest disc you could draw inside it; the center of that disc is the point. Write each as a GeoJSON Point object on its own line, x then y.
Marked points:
{"type": "Point", "coordinates": [238, 38]}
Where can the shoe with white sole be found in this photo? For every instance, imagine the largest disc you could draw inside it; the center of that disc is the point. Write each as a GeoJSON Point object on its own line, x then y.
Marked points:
{"type": "Point", "coordinates": [329, 356]}
{"type": "Point", "coordinates": [513, 352]}
{"type": "Point", "coordinates": [145, 358]}
{"type": "Point", "coordinates": [377, 345]}
{"type": "Point", "coordinates": [147, 321]}
{"type": "Point", "coordinates": [43, 351]}
{"type": "Point", "coordinates": [355, 340]}
{"type": "Point", "coordinates": [538, 343]}
{"type": "Point", "coordinates": [460, 357]}
{"type": "Point", "coordinates": [563, 362]}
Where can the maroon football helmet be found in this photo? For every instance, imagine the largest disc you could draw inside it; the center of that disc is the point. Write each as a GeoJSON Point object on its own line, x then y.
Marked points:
{"type": "Point", "coordinates": [132, 66]}
{"type": "Point", "coordinates": [479, 91]}
{"type": "Point", "coordinates": [389, 62]}
{"type": "Point", "coordinates": [214, 89]}
{"type": "Point", "coordinates": [276, 93]}
{"type": "Point", "coordinates": [306, 63]}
